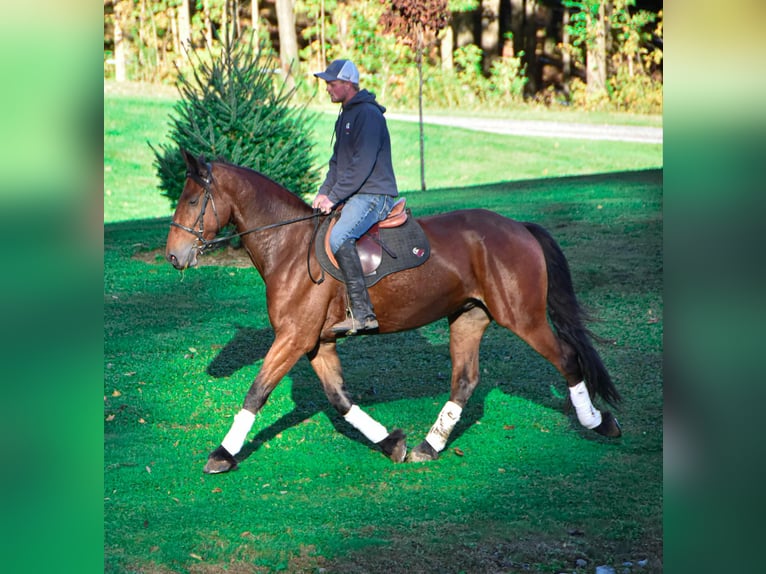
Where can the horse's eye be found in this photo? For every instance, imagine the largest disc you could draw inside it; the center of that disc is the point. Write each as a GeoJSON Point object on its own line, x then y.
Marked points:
{"type": "Point", "coordinates": [194, 201]}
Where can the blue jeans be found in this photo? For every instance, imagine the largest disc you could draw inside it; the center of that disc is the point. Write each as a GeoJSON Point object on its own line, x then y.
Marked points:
{"type": "Point", "coordinates": [360, 212]}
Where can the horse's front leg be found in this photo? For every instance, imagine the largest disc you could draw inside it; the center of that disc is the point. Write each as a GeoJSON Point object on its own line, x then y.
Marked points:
{"type": "Point", "coordinates": [282, 355]}
{"type": "Point", "coordinates": [325, 362]}
{"type": "Point", "coordinates": [466, 331]}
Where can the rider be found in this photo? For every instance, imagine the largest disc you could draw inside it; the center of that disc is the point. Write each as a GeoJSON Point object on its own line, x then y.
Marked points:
{"type": "Point", "coordinates": [361, 176]}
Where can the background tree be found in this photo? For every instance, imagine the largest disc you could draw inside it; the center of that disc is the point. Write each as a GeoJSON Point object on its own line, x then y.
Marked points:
{"type": "Point", "coordinates": [288, 41]}
{"type": "Point", "coordinates": [234, 108]}
{"type": "Point", "coordinates": [184, 24]}
{"type": "Point", "coordinates": [121, 11]}
{"type": "Point", "coordinates": [614, 40]}
{"type": "Point", "coordinates": [557, 51]}
{"type": "Point", "coordinates": [417, 22]}
{"type": "Point", "coordinates": [447, 37]}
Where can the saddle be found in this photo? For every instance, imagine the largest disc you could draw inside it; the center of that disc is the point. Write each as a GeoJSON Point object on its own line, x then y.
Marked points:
{"type": "Point", "coordinates": [394, 244]}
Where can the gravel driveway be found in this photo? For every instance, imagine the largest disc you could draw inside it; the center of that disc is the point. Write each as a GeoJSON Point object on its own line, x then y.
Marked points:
{"type": "Point", "coordinates": [639, 134]}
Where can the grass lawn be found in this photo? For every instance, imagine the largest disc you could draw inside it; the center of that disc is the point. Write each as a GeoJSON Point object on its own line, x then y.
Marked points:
{"type": "Point", "coordinates": [454, 157]}
{"type": "Point", "coordinates": [520, 487]}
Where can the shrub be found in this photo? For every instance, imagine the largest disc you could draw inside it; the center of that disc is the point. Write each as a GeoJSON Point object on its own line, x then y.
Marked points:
{"type": "Point", "coordinates": [235, 106]}
{"type": "Point", "coordinates": [507, 79]}
{"type": "Point", "coordinates": [637, 93]}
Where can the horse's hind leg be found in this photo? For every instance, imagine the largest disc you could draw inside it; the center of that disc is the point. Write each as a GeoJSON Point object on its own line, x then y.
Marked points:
{"type": "Point", "coordinates": [466, 331]}
{"type": "Point", "coordinates": [326, 364]}
{"type": "Point", "coordinates": [564, 357]}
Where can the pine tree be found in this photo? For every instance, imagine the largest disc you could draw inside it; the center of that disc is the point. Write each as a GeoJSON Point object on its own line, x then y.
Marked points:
{"type": "Point", "coordinates": [235, 107]}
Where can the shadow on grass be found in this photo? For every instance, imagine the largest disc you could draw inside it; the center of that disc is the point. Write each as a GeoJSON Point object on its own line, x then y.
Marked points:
{"type": "Point", "coordinates": [377, 371]}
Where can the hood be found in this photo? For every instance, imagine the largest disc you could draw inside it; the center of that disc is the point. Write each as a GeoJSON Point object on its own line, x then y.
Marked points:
{"type": "Point", "coordinates": [364, 97]}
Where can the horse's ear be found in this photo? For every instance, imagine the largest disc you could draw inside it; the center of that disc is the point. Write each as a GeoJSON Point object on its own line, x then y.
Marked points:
{"type": "Point", "coordinates": [196, 166]}
{"type": "Point", "coordinates": [203, 168]}
{"type": "Point", "coordinates": [188, 159]}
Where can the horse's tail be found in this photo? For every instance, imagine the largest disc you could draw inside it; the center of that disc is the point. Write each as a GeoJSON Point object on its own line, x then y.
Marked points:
{"type": "Point", "coordinates": [569, 318]}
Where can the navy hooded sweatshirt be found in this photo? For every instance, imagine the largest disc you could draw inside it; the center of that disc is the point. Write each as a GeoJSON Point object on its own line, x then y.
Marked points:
{"type": "Point", "coordinates": [361, 158]}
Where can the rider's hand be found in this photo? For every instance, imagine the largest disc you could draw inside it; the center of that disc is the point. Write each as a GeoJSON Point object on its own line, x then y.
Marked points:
{"type": "Point", "coordinates": [323, 203]}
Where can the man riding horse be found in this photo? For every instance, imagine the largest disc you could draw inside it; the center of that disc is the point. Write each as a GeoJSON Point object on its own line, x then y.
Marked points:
{"type": "Point", "coordinates": [361, 178]}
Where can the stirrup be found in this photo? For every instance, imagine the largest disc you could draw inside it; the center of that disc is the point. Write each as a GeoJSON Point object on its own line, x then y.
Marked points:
{"type": "Point", "coordinates": [352, 326]}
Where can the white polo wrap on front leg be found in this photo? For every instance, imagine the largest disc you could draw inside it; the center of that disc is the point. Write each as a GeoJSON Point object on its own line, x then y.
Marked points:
{"type": "Point", "coordinates": [365, 424]}
{"type": "Point", "coordinates": [445, 422]}
{"type": "Point", "coordinates": [235, 438]}
{"type": "Point", "coordinates": [589, 416]}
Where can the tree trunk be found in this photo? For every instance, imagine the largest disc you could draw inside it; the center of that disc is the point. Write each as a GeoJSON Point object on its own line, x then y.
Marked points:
{"type": "Point", "coordinates": [566, 56]}
{"type": "Point", "coordinates": [288, 41]}
{"type": "Point", "coordinates": [208, 22]}
{"type": "Point", "coordinates": [490, 31]}
{"type": "Point", "coordinates": [224, 35]}
{"type": "Point", "coordinates": [516, 19]}
{"type": "Point", "coordinates": [174, 34]}
{"type": "Point", "coordinates": [530, 46]}
{"type": "Point", "coordinates": [254, 17]}
{"type": "Point", "coordinates": [143, 44]}
{"type": "Point", "coordinates": [322, 37]}
{"type": "Point", "coordinates": [235, 19]}
{"type": "Point", "coordinates": [184, 25]}
{"type": "Point", "coordinates": [420, 109]}
{"type": "Point", "coordinates": [120, 47]}
{"type": "Point", "coordinates": [596, 56]}
{"type": "Point", "coordinates": [447, 47]}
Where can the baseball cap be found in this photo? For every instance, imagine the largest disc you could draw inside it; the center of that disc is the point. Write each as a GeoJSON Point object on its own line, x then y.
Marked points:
{"type": "Point", "coordinates": [340, 70]}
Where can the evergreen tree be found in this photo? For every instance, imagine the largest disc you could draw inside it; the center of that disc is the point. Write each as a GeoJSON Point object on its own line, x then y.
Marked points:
{"type": "Point", "coordinates": [235, 106]}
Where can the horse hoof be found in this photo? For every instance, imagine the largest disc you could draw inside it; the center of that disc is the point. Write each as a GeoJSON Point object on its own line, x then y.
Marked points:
{"type": "Point", "coordinates": [609, 426]}
{"type": "Point", "coordinates": [394, 446]}
{"type": "Point", "coordinates": [422, 453]}
{"type": "Point", "coordinates": [219, 461]}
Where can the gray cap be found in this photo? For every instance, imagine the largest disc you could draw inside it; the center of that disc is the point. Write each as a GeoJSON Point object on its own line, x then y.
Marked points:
{"type": "Point", "coordinates": [340, 70]}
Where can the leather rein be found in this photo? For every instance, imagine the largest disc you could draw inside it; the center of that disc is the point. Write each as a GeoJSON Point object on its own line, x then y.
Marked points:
{"type": "Point", "coordinates": [204, 244]}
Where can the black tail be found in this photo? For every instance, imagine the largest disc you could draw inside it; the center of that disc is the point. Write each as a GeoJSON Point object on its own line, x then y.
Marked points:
{"type": "Point", "coordinates": [569, 318]}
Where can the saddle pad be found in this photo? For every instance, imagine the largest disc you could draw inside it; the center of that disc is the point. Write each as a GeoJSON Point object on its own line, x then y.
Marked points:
{"type": "Point", "coordinates": [408, 242]}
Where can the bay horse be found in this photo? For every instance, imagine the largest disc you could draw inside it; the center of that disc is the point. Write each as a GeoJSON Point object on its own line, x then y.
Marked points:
{"type": "Point", "coordinates": [483, 267]}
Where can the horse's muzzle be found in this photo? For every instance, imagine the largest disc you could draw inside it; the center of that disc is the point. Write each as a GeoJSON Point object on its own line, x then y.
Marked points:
{"type": "Point", "coordinates": [182, 258]}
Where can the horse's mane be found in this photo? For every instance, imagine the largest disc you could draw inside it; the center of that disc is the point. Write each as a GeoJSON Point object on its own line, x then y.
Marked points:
{"type": "Point", "coordinates": [289, 195]}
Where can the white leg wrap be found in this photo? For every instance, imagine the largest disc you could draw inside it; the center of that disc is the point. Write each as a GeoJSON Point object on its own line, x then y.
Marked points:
{"type": "Point", "coordinates": [235, 438]}
{"type": "Point", "coordinates": [589, 416]}
{"type": "Point", "coordinates": [365, 424]}
{"type": "Point", "coordinates": [445, 422]}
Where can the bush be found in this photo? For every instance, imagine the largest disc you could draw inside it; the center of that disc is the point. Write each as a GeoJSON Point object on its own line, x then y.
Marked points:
{"type": "Point", "coordinates": [235, 106]}
{"type": "Point", "coordinates": [637, 93]}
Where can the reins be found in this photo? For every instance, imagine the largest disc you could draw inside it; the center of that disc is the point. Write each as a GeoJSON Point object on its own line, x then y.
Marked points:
{"type": "Point", "coordinates": [208, 242]}
{"type": "Point", "coordinates": [206, 184]}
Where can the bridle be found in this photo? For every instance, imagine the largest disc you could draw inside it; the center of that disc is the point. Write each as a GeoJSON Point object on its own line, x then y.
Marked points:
{"type": "Point", "coordinates": [205, 183]}
{"type": "Point", "coordinates": [204, 244]}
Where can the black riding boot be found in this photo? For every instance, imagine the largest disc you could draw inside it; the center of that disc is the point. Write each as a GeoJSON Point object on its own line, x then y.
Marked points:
{"type": "Point", "coordinates": [362, 316]}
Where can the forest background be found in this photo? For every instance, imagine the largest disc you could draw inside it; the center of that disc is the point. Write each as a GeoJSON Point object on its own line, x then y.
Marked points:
{"type": "Point", "coordinates": [467, 54]}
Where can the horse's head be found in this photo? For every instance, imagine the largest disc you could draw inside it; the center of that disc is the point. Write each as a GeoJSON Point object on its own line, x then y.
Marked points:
{"type": "Point", "coordinates": [197, 219]}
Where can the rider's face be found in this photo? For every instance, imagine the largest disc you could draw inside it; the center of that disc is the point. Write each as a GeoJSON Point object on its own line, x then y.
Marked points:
{"type": "Point", "coordinates": [340, 91]}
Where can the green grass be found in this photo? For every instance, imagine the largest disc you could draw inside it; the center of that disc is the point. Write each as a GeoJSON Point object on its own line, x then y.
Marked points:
{"type": "Point", "coordinates": [528, 487]}
{"type": "Point", "coordinates": [454, 157]}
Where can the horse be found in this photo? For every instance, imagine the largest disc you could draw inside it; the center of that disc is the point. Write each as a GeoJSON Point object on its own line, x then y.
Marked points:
{"type": "Point", "coordinates": [483, 267]}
